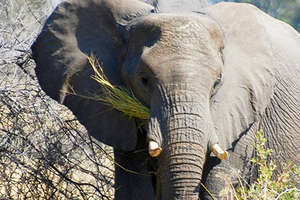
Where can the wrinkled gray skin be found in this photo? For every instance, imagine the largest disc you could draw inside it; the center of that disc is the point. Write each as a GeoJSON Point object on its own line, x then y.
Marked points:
{"type": "Point", "coordinates": [215, 76]}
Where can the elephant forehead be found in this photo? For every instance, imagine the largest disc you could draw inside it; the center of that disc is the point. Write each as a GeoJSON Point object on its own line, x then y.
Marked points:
{"type": "Point", "coordinates": [186, 37]}
{"type": "Point", "coordinates": [181, 34]}
{"type": "Point", "coordinates": [177, 25]}
{"type": "Point", "coordinates": [178, 42]}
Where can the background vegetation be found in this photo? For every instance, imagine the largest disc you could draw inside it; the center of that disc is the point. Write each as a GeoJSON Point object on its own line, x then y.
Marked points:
{"type": "Point", "coordinates": [274, 182]}
{"type": "Point", "coordinates": [44, 152]}
{"type": "Point", "coordinates": [285, 10]}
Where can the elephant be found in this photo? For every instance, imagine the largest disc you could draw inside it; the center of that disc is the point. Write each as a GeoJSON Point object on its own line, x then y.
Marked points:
{"type": "Point", "coordinates": [211, 76]}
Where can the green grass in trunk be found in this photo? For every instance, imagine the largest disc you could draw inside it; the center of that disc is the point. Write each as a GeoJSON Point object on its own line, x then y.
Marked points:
{"type": "Point", "coordinates": [117, 97]}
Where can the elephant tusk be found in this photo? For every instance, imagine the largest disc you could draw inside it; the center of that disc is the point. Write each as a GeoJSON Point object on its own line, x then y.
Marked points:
{"type": "Point", "coordinates": [154, 149]}
{"type": "Point", "coordinates": [219, 152]}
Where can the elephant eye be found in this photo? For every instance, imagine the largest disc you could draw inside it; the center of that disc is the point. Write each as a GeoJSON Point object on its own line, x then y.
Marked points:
{"type": "Point", "coordinates": [217, 85]}
{"type": "Point", "coordinates": [146, 84]}
{"type": "Point", "coordinates": [144, 81]}
{"type": "Point", "coordinates": [218, 81]}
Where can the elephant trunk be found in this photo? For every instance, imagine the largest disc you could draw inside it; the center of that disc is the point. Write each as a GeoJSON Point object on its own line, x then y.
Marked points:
{"type": "Point", "coordinates": [183, 125]}
{"type": "Point", "coordinates": [181, 171]}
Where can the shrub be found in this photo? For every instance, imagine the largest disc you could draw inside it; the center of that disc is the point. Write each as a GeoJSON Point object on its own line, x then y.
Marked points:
{"type": "Point", "coordinates": [270, 184]}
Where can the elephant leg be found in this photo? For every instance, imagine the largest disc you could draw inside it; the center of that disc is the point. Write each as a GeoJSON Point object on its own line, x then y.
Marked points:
{"type": "Point", "coordinates": [132, 179]}
{"type": "Point", "coordinates": [218, 180]}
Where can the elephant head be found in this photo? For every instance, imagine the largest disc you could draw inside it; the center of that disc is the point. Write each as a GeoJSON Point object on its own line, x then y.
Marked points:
{"type": "Point", "coordinates": [206, 80]}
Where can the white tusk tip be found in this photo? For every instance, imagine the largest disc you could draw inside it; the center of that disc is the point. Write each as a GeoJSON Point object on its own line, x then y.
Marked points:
{"type": "Point", "coordinates": [154, 149]}
{"type": "Point", "coordinates": [219, 152]}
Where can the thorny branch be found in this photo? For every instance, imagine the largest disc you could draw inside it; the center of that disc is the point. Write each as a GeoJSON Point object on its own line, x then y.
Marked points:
{"type": "Point", "coordinates": [45, 153]}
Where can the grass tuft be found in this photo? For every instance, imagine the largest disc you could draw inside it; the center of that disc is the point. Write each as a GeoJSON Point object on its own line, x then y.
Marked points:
{"type": "Point", "coordinates": [117, 97]}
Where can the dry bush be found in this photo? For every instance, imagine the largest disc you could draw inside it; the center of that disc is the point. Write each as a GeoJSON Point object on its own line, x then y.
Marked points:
{"type": "Point", "coordinates": [45, 153]}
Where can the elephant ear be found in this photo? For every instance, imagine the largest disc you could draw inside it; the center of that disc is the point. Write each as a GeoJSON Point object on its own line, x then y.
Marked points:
{"type": "Point", "coordinates": [252, 45]}
{"type": "Point", "coordinates": [75, 30]}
